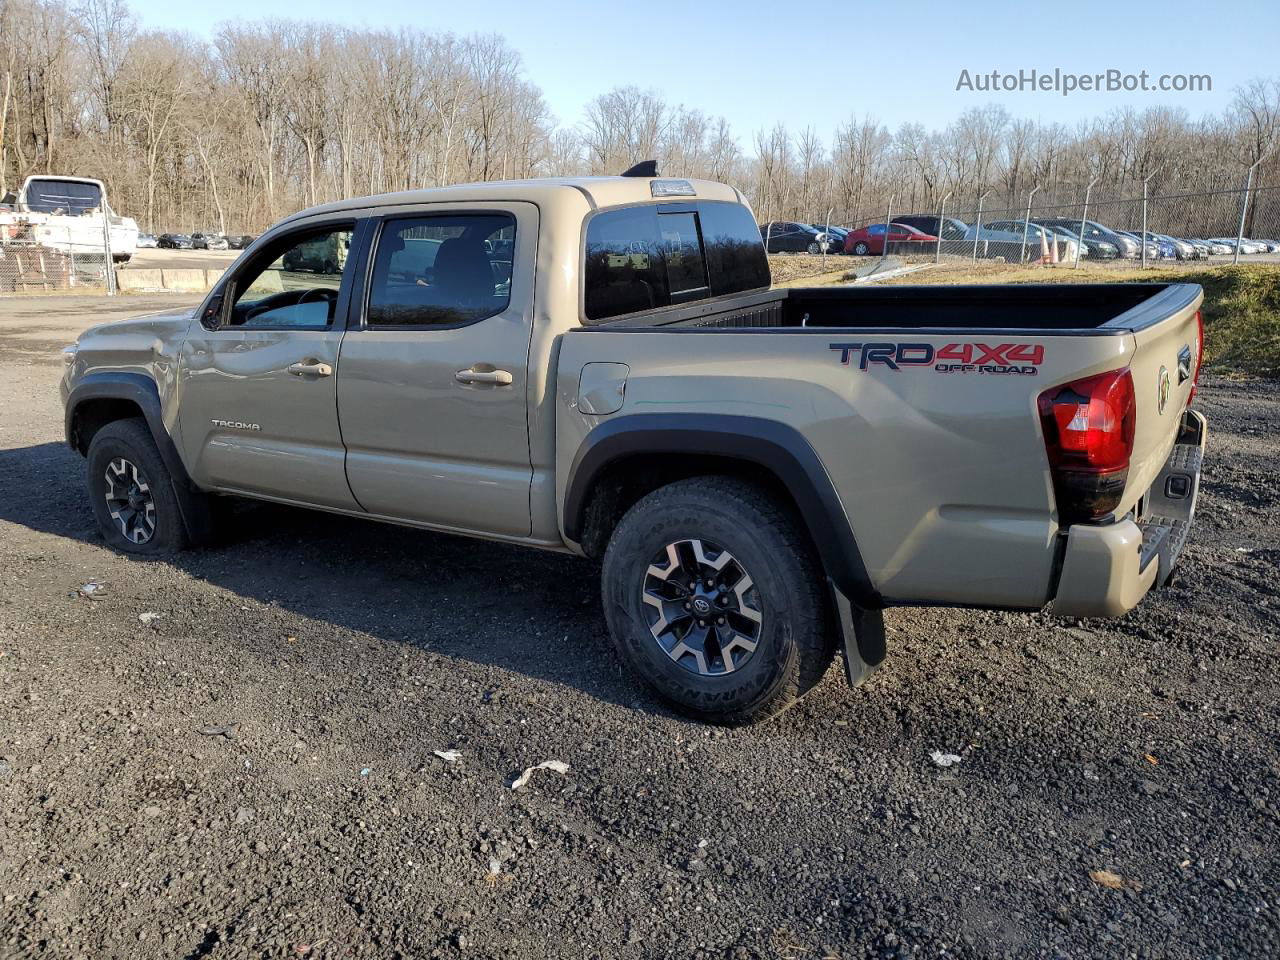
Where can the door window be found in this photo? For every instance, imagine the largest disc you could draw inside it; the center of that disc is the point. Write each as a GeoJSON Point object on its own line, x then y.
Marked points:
{"type": "Point", "coordinates": [295, 283]}
{"type": "Point", "coordinates": [442, 271]}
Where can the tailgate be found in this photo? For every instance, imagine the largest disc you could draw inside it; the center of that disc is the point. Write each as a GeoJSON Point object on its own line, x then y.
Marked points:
{"type": "Point", "coordinates": [1165, 358]}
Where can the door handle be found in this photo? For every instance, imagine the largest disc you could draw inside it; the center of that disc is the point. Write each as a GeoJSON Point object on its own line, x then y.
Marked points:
{"type": "Point", "coordinates": [312, 368]}
{"type": "Point", "coordinates": [499, 378]}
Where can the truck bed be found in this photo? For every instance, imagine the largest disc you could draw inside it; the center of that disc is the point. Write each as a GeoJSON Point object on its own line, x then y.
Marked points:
{"type": "Point", "coordinates": [1061, 308]}
{"type": "Point", "coordinates": [922, 403]}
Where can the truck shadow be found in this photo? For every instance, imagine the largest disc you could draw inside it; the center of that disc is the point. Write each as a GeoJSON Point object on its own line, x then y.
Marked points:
{"type": "Point", "coordinates": [503, 606]}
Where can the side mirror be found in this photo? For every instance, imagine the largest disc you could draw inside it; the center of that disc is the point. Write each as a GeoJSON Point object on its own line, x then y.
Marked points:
{"type": "Point", "coordinates": [211, 317]}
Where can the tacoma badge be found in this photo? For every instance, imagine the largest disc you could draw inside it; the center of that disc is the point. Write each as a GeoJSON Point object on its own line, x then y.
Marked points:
{"type": "Point", "coordinates": [234, 424]}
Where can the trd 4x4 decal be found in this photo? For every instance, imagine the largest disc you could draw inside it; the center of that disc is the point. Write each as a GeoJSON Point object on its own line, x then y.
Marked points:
{"type": "Point", "coordinates": [1015, 358]}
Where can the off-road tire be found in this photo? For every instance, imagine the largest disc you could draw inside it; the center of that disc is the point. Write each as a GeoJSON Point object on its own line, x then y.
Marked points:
{"type": "Point", "coordinates": [129, 441]}
{"type": "Point", "coordinates": [795, 643]}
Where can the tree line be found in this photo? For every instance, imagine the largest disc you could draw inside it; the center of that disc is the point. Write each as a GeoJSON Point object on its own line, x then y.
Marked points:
{"type": "Point", "coordinates": [232, 132]}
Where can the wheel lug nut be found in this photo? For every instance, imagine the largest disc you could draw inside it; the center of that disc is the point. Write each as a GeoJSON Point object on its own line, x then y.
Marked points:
{"type": "Point", "coordinates": [686, 606]}
{"type": "Point", "coordinates": [719, 619]}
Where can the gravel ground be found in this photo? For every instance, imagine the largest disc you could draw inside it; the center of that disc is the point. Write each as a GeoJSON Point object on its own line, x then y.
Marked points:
{"type": "Point", "coordinates": [234, 754]}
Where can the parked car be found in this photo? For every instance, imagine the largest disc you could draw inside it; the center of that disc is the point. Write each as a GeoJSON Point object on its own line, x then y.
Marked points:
{"type": "Point", "coordinates": [947, 228]}
{"type": "Point", "coordinates": [239, 241]}
{"type": "Point", "coordinates": [870, 240]}
{"type": "Point", "coordinates": [1202, 247]}
{"type": "Point", "coordinates": [754, 502]}
{"type": "Point", "coordinates": [1090, 250]}
{"type": "Point", "coordinates": [147, 241]}
{"type": "Point", "coordinates": [174, 241]}
{"type": "Point", "coordinates": [1216, 247]}
{"type": "Point", "coordinates": [1169, 247]}
{"type": "Point", "coordinates": [1246, 245]}
{"type": "Point", "coordinates": [836, 233]}
{"type": "Point", "coordinates": [208, 241]}
{"type": "Point", "coordinates": [1093, 231]}
{"type": "Point", "coordinates": [1152, 248]}
{"type": "Point", "coordinates": [787, 236]}
{"type": "Point", "coordinates": [1033, 233]}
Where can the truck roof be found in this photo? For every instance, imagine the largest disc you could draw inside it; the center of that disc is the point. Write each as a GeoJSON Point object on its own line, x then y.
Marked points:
{"type": "Point", "coordinates": [598, 191]}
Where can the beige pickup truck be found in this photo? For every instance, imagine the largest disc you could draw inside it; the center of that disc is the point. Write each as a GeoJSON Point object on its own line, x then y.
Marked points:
{"type": "Point", "coordinates": [599, 366]}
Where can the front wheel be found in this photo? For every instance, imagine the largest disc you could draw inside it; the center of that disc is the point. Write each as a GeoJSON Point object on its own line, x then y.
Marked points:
{"type": "Point", "coordinates": [861, 249]}
{"type": "Point", "coordinates": [814, 248]}
{"type": "Point", "coordinates": [715, 597]}
{"type": "Point", "coordinates": [131, 491]}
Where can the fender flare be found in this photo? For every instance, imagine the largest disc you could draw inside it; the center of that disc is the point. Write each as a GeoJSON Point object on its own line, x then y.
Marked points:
{"type": "Point", "coordinates": [140, 390]}
{"type": "Point", "coordinates": [776, 447]}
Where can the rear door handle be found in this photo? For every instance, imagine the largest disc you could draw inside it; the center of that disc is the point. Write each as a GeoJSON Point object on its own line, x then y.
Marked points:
{"type": "Point", "coordinates": [500, 378]}
{"type": "Point", "coordinates": [313, 368]}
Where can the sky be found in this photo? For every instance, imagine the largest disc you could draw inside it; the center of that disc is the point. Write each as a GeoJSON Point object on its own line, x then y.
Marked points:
{"type": "Point", "coordinates": [817, 64]}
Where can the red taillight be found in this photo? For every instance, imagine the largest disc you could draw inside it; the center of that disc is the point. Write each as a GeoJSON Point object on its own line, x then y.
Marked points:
{"type": "Point", "coordinates": [1198, 359]}
{"type": "Point", "coordinates": [1088, 432]}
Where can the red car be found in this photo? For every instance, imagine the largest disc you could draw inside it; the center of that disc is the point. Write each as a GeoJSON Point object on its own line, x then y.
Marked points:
{"type": "Point", "coordinates": [870, 240]}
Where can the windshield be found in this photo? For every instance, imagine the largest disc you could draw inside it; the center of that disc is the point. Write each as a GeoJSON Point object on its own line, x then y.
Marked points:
{"type": "Point", "coordinates": [63, 196]}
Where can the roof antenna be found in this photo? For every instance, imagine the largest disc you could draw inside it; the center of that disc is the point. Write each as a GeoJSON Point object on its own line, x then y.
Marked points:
{"type": "Point", "coordinates": [645, 168]}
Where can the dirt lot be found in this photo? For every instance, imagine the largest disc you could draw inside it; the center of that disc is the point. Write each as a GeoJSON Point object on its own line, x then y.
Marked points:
{"type": "Point", "coordinates": [251, 771]}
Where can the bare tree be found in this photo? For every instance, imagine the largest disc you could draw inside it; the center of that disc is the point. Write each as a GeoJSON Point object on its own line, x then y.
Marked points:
{"type": "Point", "coordinates": [275, 116]}
{"type": "Point", "coordinates": [154, 88]}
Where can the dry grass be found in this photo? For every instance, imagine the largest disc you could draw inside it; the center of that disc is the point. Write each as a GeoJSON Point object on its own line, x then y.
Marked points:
{"type": "Point", "coordinates": [965, 271]}
{"type": "Point", "coordinates": [788, 267]}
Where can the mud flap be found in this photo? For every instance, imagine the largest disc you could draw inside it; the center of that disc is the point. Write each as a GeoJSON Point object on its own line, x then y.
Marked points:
{"type": "Point", "coordinates": [862, 634]}
{"type": "Point", "coordinates": [197, 513]}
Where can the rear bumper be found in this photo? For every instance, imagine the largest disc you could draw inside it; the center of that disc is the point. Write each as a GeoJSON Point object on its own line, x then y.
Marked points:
{"type": "Point", "coordinates": [1107, 570]}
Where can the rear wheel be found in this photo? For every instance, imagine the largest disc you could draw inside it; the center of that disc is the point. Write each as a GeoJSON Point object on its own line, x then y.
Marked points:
{"type": "Point", "coordinates": [132, 492]}
{"type": "Point", "coordinates": [814, 248]}
{"type": "Point", "coordinates": [715, 597]}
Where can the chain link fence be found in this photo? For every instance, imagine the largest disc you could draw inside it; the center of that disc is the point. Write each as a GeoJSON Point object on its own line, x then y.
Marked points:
{"type": "Point", "coordinates": [1115, 225]}
{"type": "Point", "coordinates": [38, 258]}
{"type": "Point", "coordinates": [1118, 225]}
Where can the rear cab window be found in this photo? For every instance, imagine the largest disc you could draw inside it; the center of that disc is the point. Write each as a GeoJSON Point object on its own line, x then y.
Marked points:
{"type": "Point", "coordinates": [655, 255]}
{"type": "Point", "coordinates": [441, 270]}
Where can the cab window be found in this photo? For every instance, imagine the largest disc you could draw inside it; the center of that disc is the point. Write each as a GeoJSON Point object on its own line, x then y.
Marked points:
{"type": "Point", "coordinates": [441, 271]}
{"type": "Point", "coordinates": [653, 255]}
{"type": "Point", "coordinates": [295, 283]}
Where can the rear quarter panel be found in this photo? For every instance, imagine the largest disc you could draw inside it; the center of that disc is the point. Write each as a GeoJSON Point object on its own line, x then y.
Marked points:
{"type": "Point", "coordinates": [943, 476]}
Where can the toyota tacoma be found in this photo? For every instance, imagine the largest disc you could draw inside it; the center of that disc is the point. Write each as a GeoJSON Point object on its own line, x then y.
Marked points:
{"type": "Point", "coordinates": [599, 366]}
